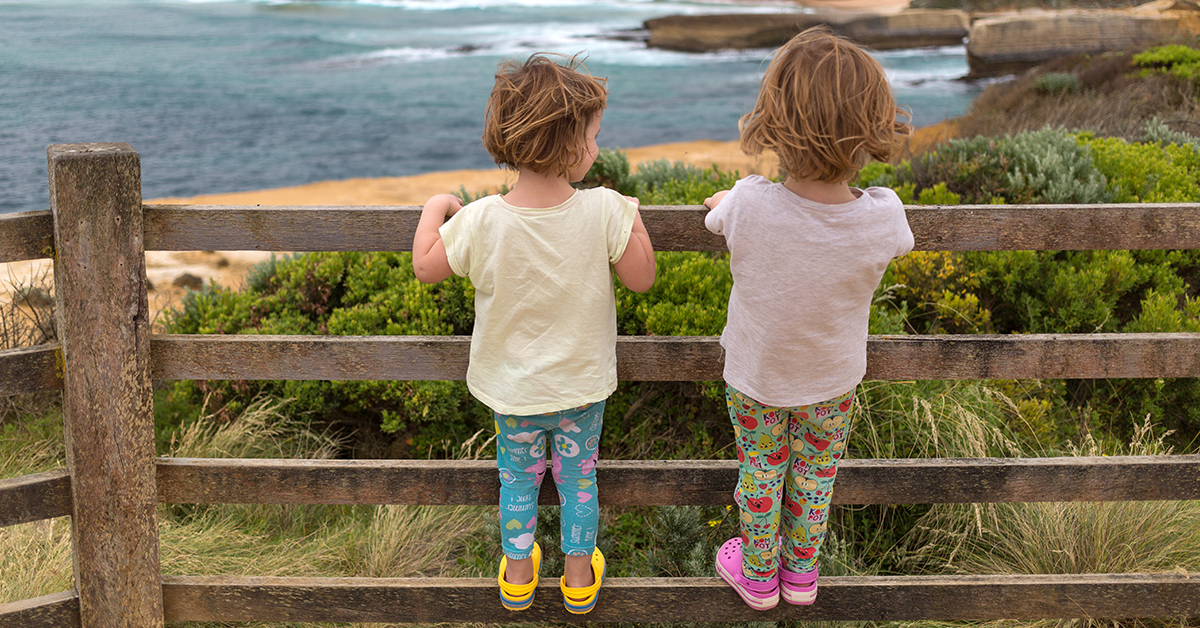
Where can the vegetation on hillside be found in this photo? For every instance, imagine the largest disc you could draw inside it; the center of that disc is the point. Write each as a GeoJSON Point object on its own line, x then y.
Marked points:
{"type": "Point", "coordinates": [1111, 95]}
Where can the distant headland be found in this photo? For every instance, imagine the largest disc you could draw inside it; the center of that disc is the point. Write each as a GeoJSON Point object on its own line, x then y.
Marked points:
{"type": "Point", "coordinates": [1000, 40]}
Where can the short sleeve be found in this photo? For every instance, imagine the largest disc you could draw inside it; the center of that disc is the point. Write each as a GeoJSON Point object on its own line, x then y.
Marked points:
{"type": "Point", "coordinates": [905, 236]}
{"type": "Point", "coordinates": [718, 220]}
{"type": "Point", "coordinates": [621, 214]}
{"type": "Point", "coordinates": [714, 220]}
{"type": "Point", "coordinates": [456, 238]}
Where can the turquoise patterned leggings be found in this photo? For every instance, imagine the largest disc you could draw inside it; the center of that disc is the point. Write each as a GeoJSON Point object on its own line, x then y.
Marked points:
{"type": "Point", "coordinates": [788, 461]}
{"type": "Point", "coordinates": [574, 439]}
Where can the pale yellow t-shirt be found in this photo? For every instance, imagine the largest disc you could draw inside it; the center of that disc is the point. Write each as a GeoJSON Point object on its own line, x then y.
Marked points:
{"type": "Point", "coordinates": [545, 317]}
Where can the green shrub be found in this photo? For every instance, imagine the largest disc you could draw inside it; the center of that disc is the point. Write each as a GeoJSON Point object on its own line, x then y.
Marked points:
{"type": "Point", "coordinates": [1059, 292]}
{"type": "Point", "coordinates": [1147, 173]}
{"type": "Point", "coordinates": [660, 182]}
{"type": "Point", "coordinates": [1056, 83]}
{"type": "Point", "coordinates": [1048, 166]}
{"type": "Point", "coordinates": [1157, 132]}
{"type": "Point", "coordinates": [1177, 60]}
{"type": "Point", "coordinates": [610, 170]}
{"type": "Point", "coordinates": [344, 294]}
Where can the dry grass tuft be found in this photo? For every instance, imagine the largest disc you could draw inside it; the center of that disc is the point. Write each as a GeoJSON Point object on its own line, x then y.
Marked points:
{"type": "Point", "coordinates": [243, 539]}
{"type": "Point", "coordinates": [35, 559]}
{"type": "Point", "coordinates": [1061, 538]}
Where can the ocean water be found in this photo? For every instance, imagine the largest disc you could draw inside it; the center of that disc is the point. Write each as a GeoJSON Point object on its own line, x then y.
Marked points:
{"type": "Point", "coordinates": [230, 95]}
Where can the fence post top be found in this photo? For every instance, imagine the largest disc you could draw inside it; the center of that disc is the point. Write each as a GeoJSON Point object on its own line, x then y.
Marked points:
{"type": "Point", "coordinates": [55, 152]}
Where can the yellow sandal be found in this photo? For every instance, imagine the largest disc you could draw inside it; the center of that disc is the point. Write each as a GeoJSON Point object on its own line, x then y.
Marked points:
{"type": "Point", "coordinates": [586, 595]}
{"type": "Point", "coordinates": [518, 597]}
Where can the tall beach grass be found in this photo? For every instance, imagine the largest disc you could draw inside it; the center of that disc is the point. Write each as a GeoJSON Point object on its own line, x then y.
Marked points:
{"type": "Point", "coordinates": [242, 539]}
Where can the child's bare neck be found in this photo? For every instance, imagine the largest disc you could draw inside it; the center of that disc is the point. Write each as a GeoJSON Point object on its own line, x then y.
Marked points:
{"type": "Point", "coordinates": [823, 192]}
{"type": "Point", "coordinates": [539, 190]}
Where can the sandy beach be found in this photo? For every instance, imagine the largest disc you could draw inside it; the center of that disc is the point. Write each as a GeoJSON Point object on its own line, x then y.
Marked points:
{"type": "Point", "coordinates": [171, 273]}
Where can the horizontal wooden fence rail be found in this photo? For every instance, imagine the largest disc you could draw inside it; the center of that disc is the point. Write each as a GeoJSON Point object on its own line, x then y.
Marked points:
{"type": "Point", "coordinates": [441, 600]}
{"type": "Point", "coordinates": [639, 358]}
{"type": "Point", "coordinates": [682, 482]}
{"type": "Point", "coordinates": [35, 497]}
{"type": "Point", "coordinates": [29, 235]}
{"type": "Point", "coordinates": [31, 369]}
{"type": "Point", "coordinates": [629, 482]}
{"type": "Point", "coordinates": [26, 235]}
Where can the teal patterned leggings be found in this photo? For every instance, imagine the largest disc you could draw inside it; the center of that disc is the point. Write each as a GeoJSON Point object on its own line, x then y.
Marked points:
{"type": "Point", "coordinates": [788, 459]}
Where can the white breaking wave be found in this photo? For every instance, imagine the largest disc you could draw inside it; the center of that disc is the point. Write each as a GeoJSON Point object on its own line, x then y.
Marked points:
{"type": "Point", "coordinates": [613, 43]}
{"type": "Point", "coordinates": [654, 6]}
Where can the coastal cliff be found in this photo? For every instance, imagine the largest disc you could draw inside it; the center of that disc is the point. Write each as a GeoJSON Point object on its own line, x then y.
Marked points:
{"type": "Point", "coordinates": [1012, 43]}
{"type": "Point", "coordinates": [913, 28]}
{"type": "Point", "coordinates": [996, 44]}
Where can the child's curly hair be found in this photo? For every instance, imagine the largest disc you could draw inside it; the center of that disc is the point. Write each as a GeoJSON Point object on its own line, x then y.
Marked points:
{"type": "Point", "coordinates": [825, 107]}
{"type": "Point", "coordinates": [538, 114]}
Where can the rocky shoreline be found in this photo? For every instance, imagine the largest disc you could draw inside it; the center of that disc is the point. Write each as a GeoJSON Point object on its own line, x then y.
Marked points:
{"type": "Point", "coordinates": [913, 28]}
{"type": "Point", "coordinates": [996, 44]}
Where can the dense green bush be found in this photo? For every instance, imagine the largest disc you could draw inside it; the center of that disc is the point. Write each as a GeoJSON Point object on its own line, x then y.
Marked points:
{"type": "Point", "coordinates": [658, 182]}
{"type": "Point", "coordinates": [1061, 291]}
{"type": "Point", "coordinates": [345, 294]}
{"type": "Point", "coordinates": [1175, 59]}
{"type": "Point", "coordinates": [1049, 166]}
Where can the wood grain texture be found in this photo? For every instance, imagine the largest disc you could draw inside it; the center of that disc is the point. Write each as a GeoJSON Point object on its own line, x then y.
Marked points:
{"type": "Point", "coordinates": [35, 497]}
{"type": "Point", "coordinates": [30, 369]}
{"type": "Point", "coordinates": [1034, 356]}
{"type": "Point", "coordinates": [1055, 227]}
{"type": "Point", "coordinates": [681, 227]}
{"type": "Point", "coordinates": [680, 482]}
{"type": "Point", "coordinates": [57, 610]}
{"type": "Point", "coordinates": [108, 405]}
{"type": "Point", "coordinates": [894, 598]}
{"type": "Point", "coordinates": [246, 228]}
{"type": "Point", "coordinates": [680, 358]}
{"type": "Point", "coordinates": [26, 235]}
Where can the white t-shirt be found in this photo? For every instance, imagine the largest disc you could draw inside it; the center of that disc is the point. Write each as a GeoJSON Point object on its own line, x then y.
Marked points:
{"type": "Point", "coordinates": [804, 275]}
{"type": "Point", "coordinates": [545, 317]}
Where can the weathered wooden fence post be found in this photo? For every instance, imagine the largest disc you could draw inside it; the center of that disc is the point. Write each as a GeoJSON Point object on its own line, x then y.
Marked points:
{"type": "Point", "coordinates": [104, 326]}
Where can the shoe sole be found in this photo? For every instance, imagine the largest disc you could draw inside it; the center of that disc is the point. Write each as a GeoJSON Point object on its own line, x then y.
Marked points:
{"type": "Point", "coordinates": [757, 603]}
{"type": "Point", "coordinates": [803, 598]}
{"type": "Point", "coordinates": [516, 606]}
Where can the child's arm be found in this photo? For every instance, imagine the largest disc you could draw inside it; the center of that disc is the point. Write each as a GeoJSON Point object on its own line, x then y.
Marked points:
{"type": "Point", "coordinates": [429, 253]}
{"type": "Point", "coordinates": [714, 200]}
{"type": "Point", "coordinates": [635, 269]}
{"type": "Point", "coordinates": [714, 220]}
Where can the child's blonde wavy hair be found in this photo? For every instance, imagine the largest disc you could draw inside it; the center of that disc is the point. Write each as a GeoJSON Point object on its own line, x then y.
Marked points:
{"type": "Point", "coordinates": [538, 114]}
{"type": "Point", "coordinates": [825, 107]}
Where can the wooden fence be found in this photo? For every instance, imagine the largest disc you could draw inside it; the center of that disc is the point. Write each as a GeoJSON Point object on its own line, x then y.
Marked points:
{"type": "Point", "coordinates": [106, 360]}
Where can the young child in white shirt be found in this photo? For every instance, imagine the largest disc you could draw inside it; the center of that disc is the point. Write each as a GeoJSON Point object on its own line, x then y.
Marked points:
{"type": "Point", "coordinates": [806, 256]}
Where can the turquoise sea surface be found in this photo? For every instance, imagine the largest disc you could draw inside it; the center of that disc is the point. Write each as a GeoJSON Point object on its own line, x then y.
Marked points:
{"type": "Point", "coordinates": [229, 95]}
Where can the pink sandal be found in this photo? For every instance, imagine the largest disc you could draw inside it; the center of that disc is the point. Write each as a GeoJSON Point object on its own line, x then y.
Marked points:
{"type": "Point", "coordinates": [760, 596]}
{"type": "Point", "coordinates": [798, 588]}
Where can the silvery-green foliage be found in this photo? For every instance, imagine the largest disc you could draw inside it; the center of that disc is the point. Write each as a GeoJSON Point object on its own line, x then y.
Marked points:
{"type": "Point", "coordinates": [1056, 166]}
{"type": "Point", "coordinates": [1157, 131]}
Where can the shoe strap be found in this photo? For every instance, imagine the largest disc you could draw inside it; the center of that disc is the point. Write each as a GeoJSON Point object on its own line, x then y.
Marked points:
{"type": "Point", "coordinates": [518, 590]}
{"type": "Point", "coordinates": [792, 577]}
